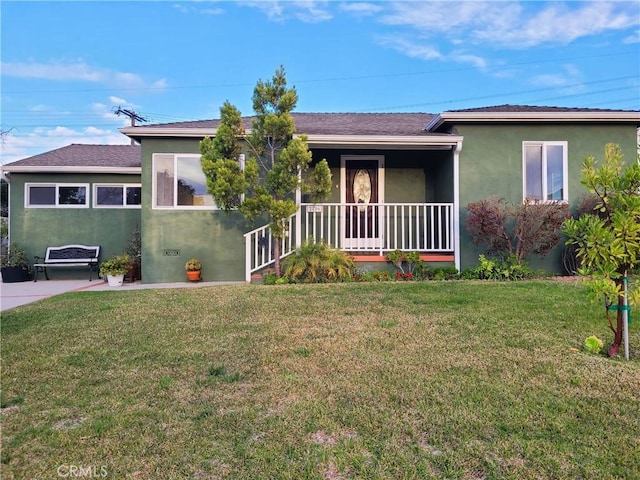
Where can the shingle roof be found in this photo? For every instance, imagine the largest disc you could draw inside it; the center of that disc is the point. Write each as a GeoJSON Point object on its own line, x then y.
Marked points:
{"type": "Point", "coordinates": [77, 155]}
{"type": "Point", "coordinates": [385, 124]}
{"type": "Point", "coordinates": [532, 108]}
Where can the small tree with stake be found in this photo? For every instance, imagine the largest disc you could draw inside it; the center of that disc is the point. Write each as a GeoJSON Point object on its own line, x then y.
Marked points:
{"type": "Point", "coordinates": [267, 182]}
{"type": "Point", "coordinates": [608, 241]}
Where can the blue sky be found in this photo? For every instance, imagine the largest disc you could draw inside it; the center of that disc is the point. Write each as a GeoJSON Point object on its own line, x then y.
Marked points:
{"type": "Point", "coordinates": [66, 66]}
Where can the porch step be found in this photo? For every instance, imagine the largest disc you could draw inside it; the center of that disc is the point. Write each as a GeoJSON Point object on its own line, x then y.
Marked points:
{"type": "Point", "coordinates": [258, 277]}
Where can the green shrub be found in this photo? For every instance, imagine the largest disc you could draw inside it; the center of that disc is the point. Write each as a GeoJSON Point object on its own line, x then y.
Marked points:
{"type": "Point", "coordinates": [502, 269]}
{"type": "Point", "coordinates": [443, 273]}
{"type": "Point", "coordinates": [318, 263]}
{"type": "Point", "coordinates": [405, 262]}
{"type": "Point", "coordinates": [593, 344]}
{"type": "Point", "coordinates": [269, 278]}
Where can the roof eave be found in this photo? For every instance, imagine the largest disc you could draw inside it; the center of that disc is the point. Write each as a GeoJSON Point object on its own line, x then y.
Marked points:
{"type": "Point", "coordinates": [142, 132]}
{"type": "Point", "coordinates": [71, 169]}
{"type": "Point", "coordinates": [383, 141]}
{"type": "Point", "coordinates": [564, 117]}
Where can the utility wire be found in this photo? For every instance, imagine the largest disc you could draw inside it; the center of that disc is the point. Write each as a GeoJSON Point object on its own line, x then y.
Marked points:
{"type": "Point", "coordinates": [337, 78]}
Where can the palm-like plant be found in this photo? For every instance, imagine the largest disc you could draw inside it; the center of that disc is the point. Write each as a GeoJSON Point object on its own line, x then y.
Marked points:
{"type": "Point", "coordinates": [317, 263]}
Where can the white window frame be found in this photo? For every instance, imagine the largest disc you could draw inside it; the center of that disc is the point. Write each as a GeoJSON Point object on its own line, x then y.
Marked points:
{"type": "Point", "coordinates": [124, 187]}
{"type": "Point", "coordinates": [57, 186]}
{"type": "Point", "coordinates": [154, 191]}
{"type": "Point", "coordinates": [565, 168]}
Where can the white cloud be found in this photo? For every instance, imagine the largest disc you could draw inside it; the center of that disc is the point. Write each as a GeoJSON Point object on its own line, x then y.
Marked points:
{"type": "Point", "coordinates": [118, 101]}
{"type": "Point", "coordinates": [22, 143]}
{"type": "Point", "coordinates": [633, 38]}
{"type": "Point", "coordinates": [474, 60]}
{"type": "Point", "coordinates": [307, 11]}
{"type": "Point", "coordinates": [361, 9]}
{"type": "Point", "coordinates": [560, 24]}
{"type": "Point", "coordinates": [569, 75]}
{"type": "Point", "coordinates": [456, 20]}
{"type": "Point", "coordinates": [196, 8]}
{"type": "Point", "coordinates": [79, 71]}
{"type": "Point", "coordinates": [512, 24]}
{"type": "Point", "coordinates": [566, 82]}
{"type": "Point", "coordinates": [19, 145]}
{"type": "Point", "coordinates": [39, 108]}
{"type": "Point", "coordinates": [411, 48]}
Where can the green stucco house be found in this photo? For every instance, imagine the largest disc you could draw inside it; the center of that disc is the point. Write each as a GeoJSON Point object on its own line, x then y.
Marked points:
{"type": "Point", "coordinates": [400, 181]}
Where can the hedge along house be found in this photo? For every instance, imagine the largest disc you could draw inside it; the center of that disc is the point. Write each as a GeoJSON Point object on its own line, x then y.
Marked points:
{"type": "Point", "coordinates": [400, 181]}
{"type": "Point", "coordinates": [78, 194]}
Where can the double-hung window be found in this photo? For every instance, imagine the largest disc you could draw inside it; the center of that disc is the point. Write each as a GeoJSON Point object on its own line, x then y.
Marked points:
{"type": "Point", "coordinates": [179, 182]}
{"type": "Point", "coordinates": [545, 171]}
{"type": "Point", "coordinates": [52, 195]}
{"type": "Point", "coordinates": [117, 195]}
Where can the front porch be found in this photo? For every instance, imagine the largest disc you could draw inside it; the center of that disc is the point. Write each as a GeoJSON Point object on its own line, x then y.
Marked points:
{"type": "Point", "coordinates": [367, 231]}
{"type": "Point", "coordinates": [391, 193]}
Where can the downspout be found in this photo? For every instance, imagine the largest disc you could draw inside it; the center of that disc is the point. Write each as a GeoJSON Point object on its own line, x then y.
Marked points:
{"type": "Point", "coordinates": [456, 204]}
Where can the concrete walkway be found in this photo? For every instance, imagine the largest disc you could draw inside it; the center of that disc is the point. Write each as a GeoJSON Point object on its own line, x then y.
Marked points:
{"type": "Point", "coordinates": [15, 294]}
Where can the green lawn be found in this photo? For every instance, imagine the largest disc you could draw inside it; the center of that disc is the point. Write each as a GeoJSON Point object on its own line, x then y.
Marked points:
{"type": "Point", "coordinates": [459, 379]}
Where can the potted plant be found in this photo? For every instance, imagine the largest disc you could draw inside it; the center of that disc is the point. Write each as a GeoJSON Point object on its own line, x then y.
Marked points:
{"type": "Point", "coordinates": [115, 269]}
{"type": "Point", "coordinates": [193, 268]}
{"type": "Point", "coordinates": [14, 264]}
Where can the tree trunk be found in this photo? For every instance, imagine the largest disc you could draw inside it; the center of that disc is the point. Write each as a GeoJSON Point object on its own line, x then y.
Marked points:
{"type": "Point", "coordinates": [276, 254]}
{"type": "Point", "coordinates": [617, 331]}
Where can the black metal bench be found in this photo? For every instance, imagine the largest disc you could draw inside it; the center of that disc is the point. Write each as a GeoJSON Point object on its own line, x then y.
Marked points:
{"type": "Point", "coordinates": [68, 256]}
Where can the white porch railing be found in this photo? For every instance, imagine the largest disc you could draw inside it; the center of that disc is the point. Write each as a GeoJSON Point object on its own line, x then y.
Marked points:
{"type": "Point", "coordinates": [259, 251]}
{"type": "Point", "coordinates": [423, 227]}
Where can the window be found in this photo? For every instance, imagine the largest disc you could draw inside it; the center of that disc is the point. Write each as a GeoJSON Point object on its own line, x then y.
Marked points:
{"type": "Point", "coordinates": [545, 171]}
{"type": "Point", "coordinates": [45, 195]}
{"type": "Point", "coordinates": [117, 195]}
{"type": "Point", "coordinates": [178, 182]}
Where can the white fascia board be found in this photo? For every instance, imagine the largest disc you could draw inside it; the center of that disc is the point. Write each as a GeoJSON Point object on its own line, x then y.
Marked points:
{"type": "Point", "coordinates": [137, 132]}
{"type": "Point", "coordinates": [70, 169]}
{"type": "Point", "coordinates": [312, 140]}
{"type": "Point", "coordinates": [570, 117]}
{"type": "Point", "coordinates": [383, 141]}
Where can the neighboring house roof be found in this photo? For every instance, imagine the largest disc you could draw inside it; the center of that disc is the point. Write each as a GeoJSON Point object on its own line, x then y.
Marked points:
{"type": "Point", "coordinates": [83, 158]}
{"type": "Point", "coordinates": [529, 114]}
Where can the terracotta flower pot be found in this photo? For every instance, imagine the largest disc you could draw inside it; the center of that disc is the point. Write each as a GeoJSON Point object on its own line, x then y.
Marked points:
{"type": "Point", "coordinates": [193, 275]}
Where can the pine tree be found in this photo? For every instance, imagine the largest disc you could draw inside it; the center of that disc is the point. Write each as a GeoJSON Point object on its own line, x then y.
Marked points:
{"type": "Point", "coordinates": [276, 165]}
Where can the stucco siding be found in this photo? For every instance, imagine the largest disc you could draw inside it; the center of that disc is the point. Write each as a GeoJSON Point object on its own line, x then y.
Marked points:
{"type": "Point", "coordinates": [170, 237]}
{"type": "Point", "coordinates": [38, 228]}
{"type": "Point", "coordinates": [491, 164]}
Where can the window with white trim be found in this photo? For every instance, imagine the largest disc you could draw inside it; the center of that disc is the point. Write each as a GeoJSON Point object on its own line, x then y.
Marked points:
{"type": "Point", "coordinates": [179, 182]}
{"type": "Point", "coordinates": [56, 195]}
{"type": "Point", "coordinates": [117, 195]}
{"type": "Point", "coordinates": [545, 171]}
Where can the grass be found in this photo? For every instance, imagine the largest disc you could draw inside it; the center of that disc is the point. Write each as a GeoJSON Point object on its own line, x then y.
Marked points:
{"type": "Point", "coordinates": [465, 380]}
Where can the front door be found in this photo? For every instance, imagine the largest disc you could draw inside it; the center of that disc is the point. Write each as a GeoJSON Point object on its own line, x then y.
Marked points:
{"type": "Point", "coordinates": [361, 192]}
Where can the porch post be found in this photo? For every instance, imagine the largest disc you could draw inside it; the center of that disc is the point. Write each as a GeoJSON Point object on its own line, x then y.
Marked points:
{"type": "Point", "coordinates": [247, 258]}
{"type": "Point", "coordinates": [298, 238]}
{"type": "Point", "coordinates": [456, 204]}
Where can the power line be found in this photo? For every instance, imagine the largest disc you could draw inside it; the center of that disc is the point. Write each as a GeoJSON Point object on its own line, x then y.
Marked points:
{"type": "Point", "coordinates": [337, 78]}
{"type": "Point", "coordinates": [133, 116]}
